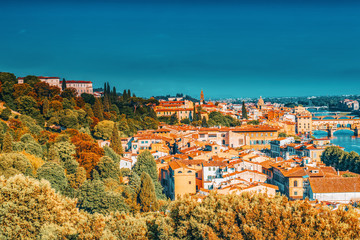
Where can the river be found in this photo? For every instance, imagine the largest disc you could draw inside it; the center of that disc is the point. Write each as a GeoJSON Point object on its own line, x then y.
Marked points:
{"type": "Point", "coordinates": [343, 138]}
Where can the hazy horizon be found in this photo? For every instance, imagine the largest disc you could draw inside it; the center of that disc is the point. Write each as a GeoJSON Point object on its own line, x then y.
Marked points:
{"type": "Point", "coordinates": [230, 50]}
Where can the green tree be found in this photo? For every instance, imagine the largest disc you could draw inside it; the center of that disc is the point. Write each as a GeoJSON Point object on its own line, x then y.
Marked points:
{"type": "Point", "coordinates": [115, 141]}
{"type": "Point", "coordinates": [185, 121]}
{"type": "Point", "coordinates": [112, 154]}
{"type": "Point", "coordinates": [94, 199]}
{"type": "Point", "coordinates": [69, 93]}
{"type": "Point", "coordinates": [55, 174]}
{"type": "Point", "coordinates": [107, 168]}
{"type": "Point", "coordinates": [45, 106]}
{"type": "Point", "coordinates": [174, 119]}
{"type": "Point", "coordinates": [27, 105]}
{"type": "Point", "coordinates": [31, 80]}
{"type": "Point", "coordinates": [134, 182]}
{"type": "Point", "coordinates": [63, 84]}
{"type": "Point", "coordinates": [253, 122]}
{"type": "Point", "coordinates": [243, 111]}
{"type": "Point", "coordinates": [53, 155]}
{"type": "Point", "coordinates": [69, 119]}
{"type": "Point", "coordinates": [98, 109]}
{"type": "Point", "coordinates": [147, 197]}
{"type": "Point", "coordinates": [104, 129]}
{"type": "Point", "coordinates": [77, 179]}
{"type": "Point", "coordinates": [7, 145]}
{"type": "Point", "coordinates": [146, 163]}
{"type": "Point", "coordinates": [32, 203]}
{"type": "Point", "coordinates": [125, 96]}
{"type": "Point", "coordinates": [88, 98]}
{"type": "Point", "coordinates": [6, 113]}
{"type": "Point", "coordinates": [204, 122]}
{"type": "Point", "coordinates": [14, 163]}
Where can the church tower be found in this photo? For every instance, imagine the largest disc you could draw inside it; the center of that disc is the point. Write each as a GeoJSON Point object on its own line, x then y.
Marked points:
{"type": "Point", "coordinates": [260, 103]}
{"type": "Point", "coordinates": [201, 97]}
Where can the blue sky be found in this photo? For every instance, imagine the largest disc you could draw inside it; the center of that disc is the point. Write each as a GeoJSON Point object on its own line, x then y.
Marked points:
{"type": "Point", "coordinates": [228, 49]}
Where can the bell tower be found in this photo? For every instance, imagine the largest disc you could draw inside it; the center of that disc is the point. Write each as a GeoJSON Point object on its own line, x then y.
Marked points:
{"type": "Point", "coordinates": [201, 97]}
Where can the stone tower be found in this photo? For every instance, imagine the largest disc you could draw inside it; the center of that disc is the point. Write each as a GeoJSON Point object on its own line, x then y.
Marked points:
{"type": "Point", "coordinates": [202, 97]}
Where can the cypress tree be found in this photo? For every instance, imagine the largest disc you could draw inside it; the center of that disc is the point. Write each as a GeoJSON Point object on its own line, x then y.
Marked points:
{"type": "Point", "coordinates": [114, 95]}
{"type": "Point", "coordinates": [125, 95]}
{"type": "Point", "coordinates": [115, 142]}
{"type": "Point", "coordinates": [105, 90]}
{"type": "Point", "coordinates": [63, 84]}
{"type": "Point", "coordinates": [129, 93]}
{"type": "Point", "coordinates": [53, 155]}
{"type": "Point", "coordinates": [147, 197]}
{"type": "Point", "coordinates": [203, 122]}
{"type": "Point", "coordinates": [98, 109]}
{"type": "Point", "coordinates": [244, 112]}
{"type": "Point", "coordinates": [107, 103]}
{"type": "Point", "coordinates": [45, 106]}
{"type": "Point", "coordinates": [108, 89]}
{"type": "Point", "coordinates": [195, 116]}
{"type": "Point", "coordinates": [7, 143]}
{"type": "Point", "coordinates": [134, 182]}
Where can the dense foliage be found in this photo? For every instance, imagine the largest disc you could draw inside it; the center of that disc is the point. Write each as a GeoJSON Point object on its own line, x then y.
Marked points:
{"type": "Point", "coordinates": [215, 217]}
{"type": "Point", "coordinates": [341, 160]}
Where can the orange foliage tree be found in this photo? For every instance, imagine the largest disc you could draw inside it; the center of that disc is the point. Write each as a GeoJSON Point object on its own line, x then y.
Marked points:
{"type": "Point", "coordinates": [88, 152]}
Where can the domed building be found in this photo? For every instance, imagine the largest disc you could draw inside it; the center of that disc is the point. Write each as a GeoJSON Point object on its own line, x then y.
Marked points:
{"type": "Point", "coordinates": [260, 103]}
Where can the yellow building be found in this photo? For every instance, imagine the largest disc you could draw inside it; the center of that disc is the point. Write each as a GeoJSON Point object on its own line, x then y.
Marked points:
{"type": "Point", "coordinates": [304, 123]}
{"type": "Point", "coordinates": [178, 180]}
{"type": "Point", "coordinates": [260, 136]}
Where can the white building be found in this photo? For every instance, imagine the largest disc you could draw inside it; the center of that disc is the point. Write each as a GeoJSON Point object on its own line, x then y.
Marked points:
{"type": "Point", "coordinates": [80, 86]}
{"type": "Point", "coordinates": [337, 189]}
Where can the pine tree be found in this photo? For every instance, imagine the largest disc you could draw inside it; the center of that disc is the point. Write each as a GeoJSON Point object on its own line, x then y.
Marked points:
{"type": "Point", "coordinates": [147, 197]}
{"type": "Point", "coordinates": [115, 142]}
{"type": "Point", "coordinates": [98, 109]}
{"type": "Point", "coordinates": [244, 112]}
{"type": "Point", "coordinates": [63, 84]}
{"type": "Point", "coordinates": [7, 143]}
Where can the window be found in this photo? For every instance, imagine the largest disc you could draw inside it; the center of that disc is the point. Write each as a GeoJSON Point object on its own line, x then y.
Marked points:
{"type": "Point", "coordinates": [189, 182]}
{"type": "Point", "coordinates": [295, 184]}
{"type": "Point", "coordinates": [189, 172]}
{"type": "Point", "coordinates": [179, 171]}
{"type": "Point", "coordinates": [295, 193]}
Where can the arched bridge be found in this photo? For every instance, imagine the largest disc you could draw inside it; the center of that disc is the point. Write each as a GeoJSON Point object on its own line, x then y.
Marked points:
{"type": "Point", "coordinates": [333, 125]}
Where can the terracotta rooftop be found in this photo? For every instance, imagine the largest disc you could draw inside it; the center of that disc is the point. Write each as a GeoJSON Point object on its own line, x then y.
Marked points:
{"type": "Point", "coordinates": [335, 185]}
